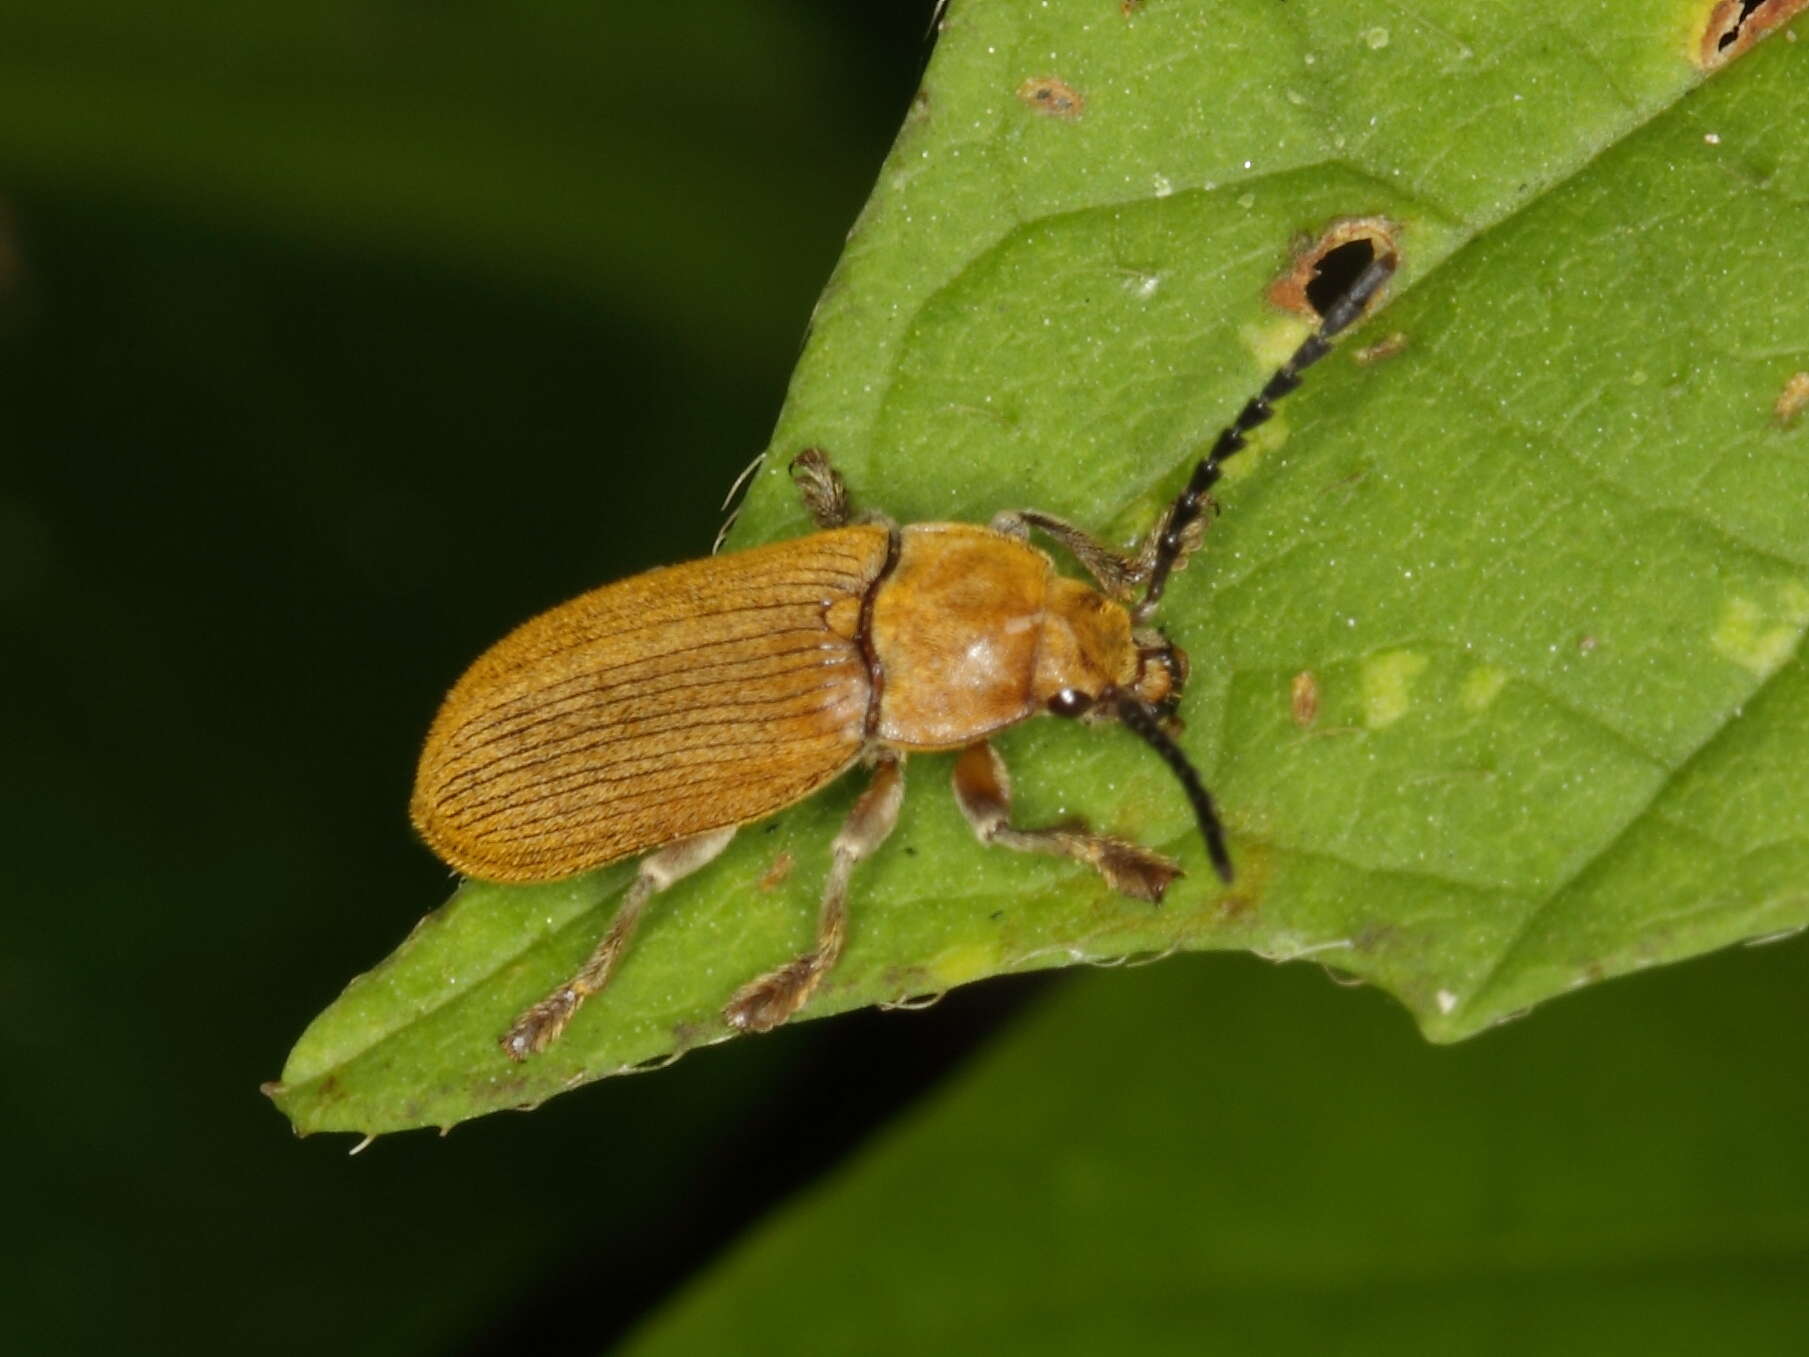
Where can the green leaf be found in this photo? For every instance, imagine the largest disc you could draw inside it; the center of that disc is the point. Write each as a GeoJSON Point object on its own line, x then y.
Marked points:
{"type": "Point", "coordinates": [1545, 565]}
{"type": "Point", "coordinates": [1213, 1157]}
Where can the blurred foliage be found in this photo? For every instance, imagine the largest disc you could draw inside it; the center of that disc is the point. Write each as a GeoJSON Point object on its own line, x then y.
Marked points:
{"type": "Point", "coordinates": [1545, 564]}
{"type": "Point", "coordinates": [295, 363]}
{"type": "Point", "coordinates": [1204, 1158]}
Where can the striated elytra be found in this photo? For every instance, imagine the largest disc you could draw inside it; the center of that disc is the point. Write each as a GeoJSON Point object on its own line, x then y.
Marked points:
{"type": "Point", "coordinates": [658, 714]}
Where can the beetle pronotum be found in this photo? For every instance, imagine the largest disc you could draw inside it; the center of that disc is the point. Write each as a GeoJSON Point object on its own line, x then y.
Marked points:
{"type": "Point", "coordinates": [657, 715]}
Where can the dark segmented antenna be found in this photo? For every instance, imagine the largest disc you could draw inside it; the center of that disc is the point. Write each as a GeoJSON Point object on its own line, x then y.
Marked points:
{"type": "Point", "coordinates": [1189, 503]}
{"type": "Point", "coordinates": [1147, 724]}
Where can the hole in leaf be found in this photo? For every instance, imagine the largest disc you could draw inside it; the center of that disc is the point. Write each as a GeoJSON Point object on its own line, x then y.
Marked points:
{"type": "Point", "coordinates": [1735, 25]}
{"type": "Point", "coordinates": [1336, 270]}
{"type": "Point", "coordinates": [1746, 9]}
{"type": "Point", "coordinates": [1324, 269]}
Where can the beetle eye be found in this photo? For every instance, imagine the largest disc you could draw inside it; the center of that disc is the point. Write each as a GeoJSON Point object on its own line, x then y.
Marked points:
{"type": "Point", "coordinates": [1070, 702]}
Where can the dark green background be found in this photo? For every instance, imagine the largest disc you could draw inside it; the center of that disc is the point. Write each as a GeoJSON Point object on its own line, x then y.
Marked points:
{"type": "Point", "coordinates": [335, 343]}
{"type": "Point", "coordinates": [339, 342]}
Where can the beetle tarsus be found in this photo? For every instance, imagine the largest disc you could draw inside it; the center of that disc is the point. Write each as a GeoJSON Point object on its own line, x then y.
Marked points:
{"type": "Point", "coordinates": [766, 1003]}
{"type": "Point", "coordinates": [541, 1025]}
{"type": "Point", "coordinates": [821, 487]}
{"type": "Point", "coordinates": [1131, 869]}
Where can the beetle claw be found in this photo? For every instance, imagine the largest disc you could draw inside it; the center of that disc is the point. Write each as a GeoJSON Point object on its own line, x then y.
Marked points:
{"type": "Point", "coordinates": [540, 1026]}
{"type": "Point", "coordinates": [763, 1004]}
{"type": "Point", "coordinates": [1134, 871]}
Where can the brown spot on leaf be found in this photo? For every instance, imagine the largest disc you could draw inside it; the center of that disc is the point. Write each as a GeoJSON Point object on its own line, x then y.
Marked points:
{"type": "Point", "coordinates": [1232, 905]}
{"type": "Point", "coordinates": [1129, 7]}
{"type": "Point", "coordinates": [1792, 400]}
{"type": "Point", "coordinates": [1303, 698]}
{"type": "Point", "coordinates": [1324, 268]}
{"type": "Point", "coordinates": [1735, 25]}
{"type": "Point", "coordinates": [1056, 98]}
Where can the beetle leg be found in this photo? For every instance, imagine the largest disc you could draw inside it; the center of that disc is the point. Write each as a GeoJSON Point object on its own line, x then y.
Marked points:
{"type": "Point", "coordinates": [1118, 574]}
{"type": "Point", "coordinates": [983, 791]}
{"type": "Point", "coordinates": [821, 487]}
{"type": "Point", "coordinates": [763, 1004]}
{"type": "Point", "coordinates": [541, 1025]}
{"type": "Point", "coordinates": [1192, 534]}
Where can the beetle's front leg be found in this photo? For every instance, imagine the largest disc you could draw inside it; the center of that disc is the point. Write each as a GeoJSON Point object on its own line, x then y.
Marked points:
{"type": "Point", "coordinates": [821, 487]}
{"type": "Point", "coordinates": [983, 791]}
{"type": "Point", "coordinates": [763, 1004]}
{"type": "Point", "coordinates": [1119, 574]}
{"type": "Point", "coordinates": [541, 1025]}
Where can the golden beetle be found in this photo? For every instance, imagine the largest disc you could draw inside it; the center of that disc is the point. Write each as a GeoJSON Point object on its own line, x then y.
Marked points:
{"type": "Point", "coordinates": [658, 714]}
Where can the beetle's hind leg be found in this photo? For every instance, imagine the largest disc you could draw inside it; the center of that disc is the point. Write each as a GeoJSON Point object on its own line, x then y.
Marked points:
{"type": "Point", "coordinates": [541, 1025]}
{"type": "Point", "coordinates": [983, 791]}
{"type": "Point", "coordinates": [1119, 574]}
{"type": "Point", "coordinates": [765, 1003]}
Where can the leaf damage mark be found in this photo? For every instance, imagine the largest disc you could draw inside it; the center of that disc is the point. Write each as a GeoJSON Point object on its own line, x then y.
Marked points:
{"type": "Point", "coordinates": [1792, 400]}
{"type": "Point", "coordinates": [1481, 686]}
{"type": "Point", "coordinates": [1388, 686]}
{"type": "Point", "coordinates": [1303, 698]}
{"type": "Point", "coordinates": [1735, 25]}
{"type": "Point", "coordinates": [1052, 97]}
{"type": "Point", "coordinates": [1760, 639]}
{"type": "Point", "coordinates": [1324, 268]}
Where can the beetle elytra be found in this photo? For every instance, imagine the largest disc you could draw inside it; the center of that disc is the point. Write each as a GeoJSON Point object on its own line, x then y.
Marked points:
{"type": "Point", "coordinates": [658, 714]}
